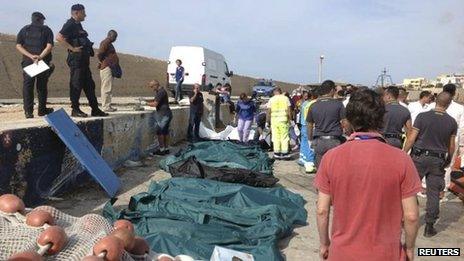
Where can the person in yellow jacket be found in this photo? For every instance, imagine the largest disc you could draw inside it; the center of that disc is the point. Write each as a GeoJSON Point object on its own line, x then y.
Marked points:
{"type": "Point", "coordinates": [279, 115]}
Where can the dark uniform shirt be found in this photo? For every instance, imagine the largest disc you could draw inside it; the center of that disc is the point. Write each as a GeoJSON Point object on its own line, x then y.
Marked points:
{"type": "Point", "coordinates": [34, 38]}
{"type": "Point", "coordinates": [196, 107]}
{"type": "Point", "coordinates": [435, 130]}
{"type": "Point", "coordinates": [76, 36]}
{"type": "Point", "coordinates": [326, 115]}
{"type": "Point", "coordinates": [163, 102]}
{"type": "Point", "coordinates": [395, 118]}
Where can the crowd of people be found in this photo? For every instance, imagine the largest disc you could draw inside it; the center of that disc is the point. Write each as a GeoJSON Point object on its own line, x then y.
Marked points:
{"type": "Point", "coordinates": [371, 156]}
{"type": "Point", "coordinates": [371, 149]}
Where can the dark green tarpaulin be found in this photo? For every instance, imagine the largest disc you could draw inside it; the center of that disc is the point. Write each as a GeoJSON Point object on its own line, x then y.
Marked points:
{"type": "Point", "coordinates": [191, 216]}
{"type": "Point", "coordinates": [224, 154]}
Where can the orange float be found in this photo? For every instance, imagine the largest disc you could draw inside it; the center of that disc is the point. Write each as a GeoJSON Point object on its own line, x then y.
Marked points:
{"type": "Point", "coordinates": [38, 218]}
{"type": "Point", "coordinates": [10, 203]}
{"type": "Point", "coordinates": [140, 247]}
{"type": "Point", "coordinates": [111, 247]}
{"type": "Point", "coordinates": [55, 237]}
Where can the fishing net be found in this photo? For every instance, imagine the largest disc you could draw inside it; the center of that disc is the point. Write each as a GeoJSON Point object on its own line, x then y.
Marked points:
{"type": "Point", "coordinates": [83, 233]}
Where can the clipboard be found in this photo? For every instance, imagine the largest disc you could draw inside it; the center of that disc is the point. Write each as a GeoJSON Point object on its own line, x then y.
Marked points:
{"type": "Point", "coordinates": [36, 68]}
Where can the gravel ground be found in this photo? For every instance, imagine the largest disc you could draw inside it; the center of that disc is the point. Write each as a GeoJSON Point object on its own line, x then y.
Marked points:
{"type": "Point", "coordinates": [302, 245]}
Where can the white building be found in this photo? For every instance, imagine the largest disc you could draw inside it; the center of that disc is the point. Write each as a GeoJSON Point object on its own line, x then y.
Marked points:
{"type": "Point", "coordinates": [455, 78]}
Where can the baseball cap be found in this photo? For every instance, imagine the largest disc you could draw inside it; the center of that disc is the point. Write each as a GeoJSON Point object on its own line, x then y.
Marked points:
{"type": "Point", "coordinates": [38, 15]}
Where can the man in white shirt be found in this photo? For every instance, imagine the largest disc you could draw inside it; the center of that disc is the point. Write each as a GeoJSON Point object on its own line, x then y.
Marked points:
{"type": "Point", "coordinates": [422, 105]}
{"type": "Point", "coordinates": [403, 97]}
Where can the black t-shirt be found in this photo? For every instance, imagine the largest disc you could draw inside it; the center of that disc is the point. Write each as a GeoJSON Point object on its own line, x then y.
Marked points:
{"type": "Point", "coordinates": [196, 107]}
{"type": "Point", "coordinates": [161, 97]}
{"type": "Point", "coordinates": [435, 130]}
{"type": "Point", "coordinates": [34, 38]}
{"type": "Point", "coordinates": [76, 36]}
{"type": "Point", "coordinates": [72, 30]}
{"type": "Point", "coordinates": [395, 118]}
{"type": "Point", "coordinates": [326, 114]}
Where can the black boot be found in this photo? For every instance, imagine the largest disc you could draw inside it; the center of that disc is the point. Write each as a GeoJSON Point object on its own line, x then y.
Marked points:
{"type": "Point", "coordinates": [46, 111]}
{"type": "Point", "coordinates": [29, 115]}
{"type": "Point", "coordinates": [429, 230]}
{"type": "Point", "coordinates": [78, 113]}
{"type": "Point", "coordinates": [99, 113]}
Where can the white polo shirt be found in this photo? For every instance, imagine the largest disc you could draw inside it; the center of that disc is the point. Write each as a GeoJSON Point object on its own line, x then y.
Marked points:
{"type": "Point", "coordinates": [415, 108]}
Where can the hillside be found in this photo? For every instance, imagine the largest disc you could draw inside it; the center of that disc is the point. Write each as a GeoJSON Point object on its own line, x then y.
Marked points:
{"type": "Point", "coordinates": [137, 72]}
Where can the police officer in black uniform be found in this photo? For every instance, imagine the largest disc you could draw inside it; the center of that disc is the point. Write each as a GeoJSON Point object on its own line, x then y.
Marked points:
{"type": "Point", "coordinates": [35, 43]}
{"type": "Point", "coordinates": [325, 117]}
{"type": "Point", "coordinates": [80, 49]}
{"type": "Point", "coordinates": [432, 140]}
{"type": "Point", "coordinates": [395, 119]}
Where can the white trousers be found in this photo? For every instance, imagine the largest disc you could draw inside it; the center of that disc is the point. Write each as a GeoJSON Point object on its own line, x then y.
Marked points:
{"type": "Point", "coordinates": [106, 87]}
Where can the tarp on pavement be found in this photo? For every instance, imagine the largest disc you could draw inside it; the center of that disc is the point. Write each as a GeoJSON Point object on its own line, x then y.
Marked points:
{"type": "Point", "coordinates": [223, 154]}
{"type": "Point", "coordinates": [191, 216]}
{"type": "Point", "coordinates": [192, 168]}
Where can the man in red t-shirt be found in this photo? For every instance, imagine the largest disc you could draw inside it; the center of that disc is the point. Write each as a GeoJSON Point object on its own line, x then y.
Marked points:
{"type": "Point", "coordinates": [372, 187]}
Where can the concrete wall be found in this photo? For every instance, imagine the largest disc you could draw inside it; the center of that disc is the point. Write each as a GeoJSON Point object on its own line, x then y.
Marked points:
{"type": "Point", "coordinates": [130, 136]}
{"type": "Point", "coordinates": [35, 164]}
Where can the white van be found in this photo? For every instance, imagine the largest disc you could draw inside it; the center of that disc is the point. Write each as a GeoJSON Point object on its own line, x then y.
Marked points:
{"type": "Point", "coordinates": [201, 66]}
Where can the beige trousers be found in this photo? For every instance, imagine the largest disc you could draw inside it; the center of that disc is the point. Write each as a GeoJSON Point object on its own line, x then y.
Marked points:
{"type": "Point", "coordinates": [106, 87]}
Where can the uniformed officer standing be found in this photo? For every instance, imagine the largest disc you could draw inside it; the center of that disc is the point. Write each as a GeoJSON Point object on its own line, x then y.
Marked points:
{"type": "Point", "coordinates": [325, 117]}
{"type": "Point", "coordinates": [432, 143]}
{"type": "Point", "coordinates": [80, 49]}
{"type": "Point", "coordinates": [395, 119]}
{"type": "Point", "coordinates": [35, 43]}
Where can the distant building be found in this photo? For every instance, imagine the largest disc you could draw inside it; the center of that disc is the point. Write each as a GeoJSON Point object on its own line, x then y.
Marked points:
{"type": "Point", "coordinates": [415, 83]}
{"type": "Point", "coordinates": [455, 78]}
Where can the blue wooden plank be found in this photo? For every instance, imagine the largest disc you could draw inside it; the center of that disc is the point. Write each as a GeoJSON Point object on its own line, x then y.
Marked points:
{"type": "Point", "coordinates": [83, 150]}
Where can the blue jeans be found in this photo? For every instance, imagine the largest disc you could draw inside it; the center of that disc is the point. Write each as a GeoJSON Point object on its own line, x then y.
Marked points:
{"type": "Point", "coordinates": [179, 91]}
{"type": "Point", "coordinates": [162, 122]}
{"type": "Point", "coordinates": [193, 132]}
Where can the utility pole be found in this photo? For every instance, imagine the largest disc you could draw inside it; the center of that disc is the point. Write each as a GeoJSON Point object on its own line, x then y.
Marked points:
{"type": "Point", "coordinates": [321, 58]}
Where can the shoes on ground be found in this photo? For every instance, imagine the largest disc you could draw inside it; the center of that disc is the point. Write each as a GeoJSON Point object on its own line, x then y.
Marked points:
{"type": "Point", "coordinates": [29, 115]}
{"type": "Point", "coordinates": [429, 230]}
{"type": "Point", "coordinates": [46, 111]}
{"type": "Point", "coordinates": [99, 113]}
{"type": "Point", "coordinates": [78, 113]}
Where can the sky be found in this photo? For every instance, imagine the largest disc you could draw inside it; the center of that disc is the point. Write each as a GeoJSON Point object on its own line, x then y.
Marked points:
{"type": "Point", "coordinates": [282, 40]}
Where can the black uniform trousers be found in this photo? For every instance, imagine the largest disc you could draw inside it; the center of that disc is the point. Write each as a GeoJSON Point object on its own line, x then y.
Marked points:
{"type": "Point", "coordinates": [321, 146]}
{"type": "Point", "coordinates": [40, 82]}
{"type": "Point", "coordinates": [395, 142]}
{"type": "Point", "coordinates": [81, 79]}
{"type": "Point", "coordinates": [433, 169]}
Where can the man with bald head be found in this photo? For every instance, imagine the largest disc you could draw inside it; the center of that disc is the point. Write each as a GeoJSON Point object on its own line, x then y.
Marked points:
{"type": "Point", "coordinates": [109, 69]}
{"type": "Point", "coordinates": [432, 146]}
